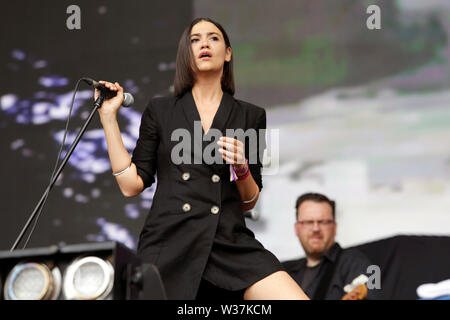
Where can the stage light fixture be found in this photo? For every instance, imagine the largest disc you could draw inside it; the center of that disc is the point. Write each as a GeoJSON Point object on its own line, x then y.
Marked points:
{"type": "Point", "coordinates": [89, 271]}
{"type": "Point", "coordinates": [32, 281]}
{"type": "Point", "coordinates": [89, 278]}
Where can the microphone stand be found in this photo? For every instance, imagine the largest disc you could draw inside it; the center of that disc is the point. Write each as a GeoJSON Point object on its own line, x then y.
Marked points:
{"type": "Point", "coordinates": [97, 105]}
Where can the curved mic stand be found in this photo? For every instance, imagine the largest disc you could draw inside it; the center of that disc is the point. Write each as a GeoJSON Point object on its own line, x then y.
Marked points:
{"type": "Point", "coordinates": [97, 104]}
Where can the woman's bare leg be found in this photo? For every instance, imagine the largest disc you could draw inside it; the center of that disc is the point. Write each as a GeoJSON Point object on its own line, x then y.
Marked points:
{"type": "Point", "coordinates": [277, 286]}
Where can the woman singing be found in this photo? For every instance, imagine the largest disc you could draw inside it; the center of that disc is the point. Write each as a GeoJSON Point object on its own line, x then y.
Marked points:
{"type": "Point", "coordinates": [195, 232]}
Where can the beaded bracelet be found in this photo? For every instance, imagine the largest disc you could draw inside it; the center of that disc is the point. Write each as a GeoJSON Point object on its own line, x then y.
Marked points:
{"type": "Point", "coordinates": [234, 173]}
{"type": "Point", "coordinates": [243, 177]}
{"type": "Point", "coordinates": [244, 168]}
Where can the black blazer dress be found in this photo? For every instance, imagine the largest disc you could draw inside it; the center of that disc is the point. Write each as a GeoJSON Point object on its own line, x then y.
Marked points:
{"type": "Point", "coordinates": [196, 228]}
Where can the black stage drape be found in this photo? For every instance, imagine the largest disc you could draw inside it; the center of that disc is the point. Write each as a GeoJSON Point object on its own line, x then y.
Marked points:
{"type": "Point", "coordinates": [407, 261]}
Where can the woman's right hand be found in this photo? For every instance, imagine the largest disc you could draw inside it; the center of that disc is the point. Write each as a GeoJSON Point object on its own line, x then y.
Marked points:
{"type": "Point", "coordinates": [109, 107]}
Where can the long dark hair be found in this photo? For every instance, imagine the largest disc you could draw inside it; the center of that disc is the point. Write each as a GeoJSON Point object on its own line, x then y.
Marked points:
{"type": "Point", "coordinates": [185, 64]}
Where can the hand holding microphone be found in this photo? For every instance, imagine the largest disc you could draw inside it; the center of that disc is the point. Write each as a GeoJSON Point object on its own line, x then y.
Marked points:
{"type": "Point", "coordinates": [114, 96]}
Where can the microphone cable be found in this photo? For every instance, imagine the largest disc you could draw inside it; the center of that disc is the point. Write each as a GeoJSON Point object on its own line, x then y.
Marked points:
{"type": "Point", "coordinates": [47, 191]}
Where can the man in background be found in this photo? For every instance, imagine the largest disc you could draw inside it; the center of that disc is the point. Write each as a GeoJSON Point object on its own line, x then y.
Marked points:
{"type": "Point", "coordinates": [327, 268]}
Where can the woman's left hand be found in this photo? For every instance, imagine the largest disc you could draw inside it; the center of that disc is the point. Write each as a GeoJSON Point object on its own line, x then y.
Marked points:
{"type": "Point", "coordinates": [232, 151]}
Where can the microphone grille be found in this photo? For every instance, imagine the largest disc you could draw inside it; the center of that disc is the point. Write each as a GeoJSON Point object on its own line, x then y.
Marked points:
{"type": "Point", "coordinates": [128, 99]}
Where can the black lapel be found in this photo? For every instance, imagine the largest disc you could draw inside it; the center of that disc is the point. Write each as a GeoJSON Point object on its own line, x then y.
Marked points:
{"type": "Point", "coordinates": [190, 110]}
{"type": "Point", "coordinates": [220, 122]}
{"type": "Point", "coordinates": [223, 113]}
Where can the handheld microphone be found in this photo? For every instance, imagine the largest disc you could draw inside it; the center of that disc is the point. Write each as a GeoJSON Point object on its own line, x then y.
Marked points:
{"type": "Point", "coordinates": [128, 99]}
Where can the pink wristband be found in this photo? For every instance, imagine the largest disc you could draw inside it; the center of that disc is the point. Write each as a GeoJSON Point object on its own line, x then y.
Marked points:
{"type": "Point", "coordinates": [234, 172]}
{"type": "Point", "coordinates": [243, 169]}
{"type": "Point", "coordinates": [244, 176]}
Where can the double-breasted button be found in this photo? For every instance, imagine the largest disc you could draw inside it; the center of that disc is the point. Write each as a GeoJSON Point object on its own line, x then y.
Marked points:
{"type": "Point", "coordinates": [186, 176]}
{"type": "Point", "coordinates": [215, 178]}
{"type": "Point", "coordinates": [214, 209]}
{"type": "Point", "coordinates": [186, 207]}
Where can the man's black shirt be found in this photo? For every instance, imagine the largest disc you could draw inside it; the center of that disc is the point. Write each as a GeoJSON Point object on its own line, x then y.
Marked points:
{"type": "Point", "coordinates": [350, 265]}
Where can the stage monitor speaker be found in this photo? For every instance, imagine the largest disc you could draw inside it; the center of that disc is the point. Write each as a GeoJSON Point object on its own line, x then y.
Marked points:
{"type": "Point", "coordinates": [91, 271]}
